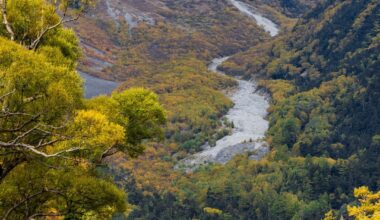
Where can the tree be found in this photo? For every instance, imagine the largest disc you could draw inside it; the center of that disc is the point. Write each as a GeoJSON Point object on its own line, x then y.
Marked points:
{"type": "Point", "coordinates": [140, 114]}
{"type": "Point", "coordinates": [45, 134]}
{"type": "Point", "coordinates": [44, 123]}
{"type": "Point", "coordinates": [212, 211]}
{"type": "Point", "coordinates": [369, 204]}
{"type": "Point", "coordinates": [36, 102]}
{"type": "Point", "coordinates": [51, 140]}
{"type": "Point", "coordinates": [34, 190]}
{"type": "Point", "coordinates": [329, 215]}
{"type": "Point", "coordinates": [29, 21]}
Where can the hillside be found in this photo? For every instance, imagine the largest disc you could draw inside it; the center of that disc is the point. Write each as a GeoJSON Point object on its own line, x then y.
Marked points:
{"type": "Point", "coordinates": [339, 47]}
{"type": "Point", "coordinates": [323, 77]}
{"type": "Point", "coordinates": [323, 120]}
{"type": "Point", "coordinates": [150, 43]}
{"type": "Point", "coordinates": [190, 109]}
{"type": "Point", "coordinates": [323, 127]}
{"type": "Point", "coordinates": [140, 34]}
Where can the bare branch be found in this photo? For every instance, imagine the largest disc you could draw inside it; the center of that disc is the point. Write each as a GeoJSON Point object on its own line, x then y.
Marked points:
{"type": "Point", "coordinates": [28, 198]}
{"type": "Point", "coordinates": [109, 152]}
{"type": "Point", "coordinates": [9, 165]}
{"type": "Point", "coordinates": [33, 98]}
{"type": "Point", "coordinates": [42, 144]}
{"type": "Point", "coordinates": [46, 215]}
{"type": "Point", "coordinates": [40, 153]}
{"type": "Point", "coordinates": [7, 94]}
{"type": "Point", "coordinates": [8, 114]}
{"type": "Point", "coordinates": [24, 134]}
{"type": "Point", "coordinates": [34, 150]}
{"type": "Point", "coordinates": [21, 202]}
{"type": "Point", "coordinates": [3, 5]}
{"type": "Point", "coordinates": [37, 41]}
{"type": "Point", "coordinates": [19, 128]}
{"type": "Point", "coordinates": [2, 98]}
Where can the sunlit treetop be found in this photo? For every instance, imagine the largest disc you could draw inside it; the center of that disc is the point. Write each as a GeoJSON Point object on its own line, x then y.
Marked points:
{"type": "Point", "coordinates": [51, 140]}
{"type": "Point", "coordinates": [33, 22]}
{"type": "Point", "coordinates": [369, 207]}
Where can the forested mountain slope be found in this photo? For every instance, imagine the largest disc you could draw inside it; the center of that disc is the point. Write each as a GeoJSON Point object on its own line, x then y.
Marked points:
{"type": "Point", "coordinates": [291, 8]}
{"type": "Point", "coordinates": [152, 43]}
{"type": "Point", "coordinates": [148, 43]}
{"type": "Point", "coordinates": [60, 154]}
{"type": "Point", "coordinates": [324, 126]}
{"type": "Point", "coordinates": [323, 121]}
{"type": "Point", "coordinates": [143, 34]}
{"type": "Point", "coordinates": [337, 44]}
{"type": "Point", "coordinates": [131, 35]}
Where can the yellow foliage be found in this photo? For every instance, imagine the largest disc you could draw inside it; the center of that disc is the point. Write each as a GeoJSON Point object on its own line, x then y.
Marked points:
{"type": "Point", "coordinates": [329, 215]}
{"type": "Point", "coordinates": [95, 129]}
{"type": "Point", "coordinates": [279, 89]}
{"type": "Point", "coordinates": [92, 131]}
{"type": "Point", "coordinates": [212, 211]}
{"type": "Point", "coordinates": [369, 207]}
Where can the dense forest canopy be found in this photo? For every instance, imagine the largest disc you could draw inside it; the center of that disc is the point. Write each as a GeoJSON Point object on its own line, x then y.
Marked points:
{"type": "Point", "coordinates": [323, 127]}
{"type": "Point", "coordinates": [114, 157]}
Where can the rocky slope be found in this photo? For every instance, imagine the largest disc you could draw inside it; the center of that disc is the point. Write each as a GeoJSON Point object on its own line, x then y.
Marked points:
{"type": "Point", "coordinates": [160, 30]}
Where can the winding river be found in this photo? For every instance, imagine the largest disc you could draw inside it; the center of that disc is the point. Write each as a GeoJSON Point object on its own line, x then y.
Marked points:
{"type": "Point", "coordinates": [248, 114]}
{"type": "Point", "coordinates": [96, 86]}
{"type": "Point", "coordinates": [268, 25]}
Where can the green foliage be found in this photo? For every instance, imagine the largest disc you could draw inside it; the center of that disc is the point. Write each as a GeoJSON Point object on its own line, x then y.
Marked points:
{"type": "Point", "coordinates": [51, 143]}
{"type": "Point", "coordinates": [142, 109]}
{"type": "Point", "coordinates": [44, 131]}
{"type": "Point", "coordinates": [34, 79]}
{"type": "Point", "coordinates": [324, 125]}
{"type": "Point", "coordinates": [260, 190]}
{"type": "Point", "coordinates": [62, 48]}
{"type": "Point", "coordinates": [68, 191]}
{"type": "Point", "coordinates": [376, 139]}
{"type": "Point", "coordinates": [28, 18]}
{"type": "Point", "coordinates": [329, 215]}
{"type": "Point", "coordinates": [330, 111]}
{"type": "Point", "coordinates": [189, 93]}
{"type": "Point", "coordinates": [323, 120]}
{"type": "Point", "coordinates": [31, 22]}
{"type": "Point", "coordinates": [314, 111]}
{"type": "Point", "coordinates": [138, 111]}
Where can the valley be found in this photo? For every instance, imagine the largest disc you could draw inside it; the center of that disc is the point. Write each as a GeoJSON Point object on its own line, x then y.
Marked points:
{"type": "Point", "coordinates": [247, 115]}
{"type": "Point", "coordinates": [265, 23]}
{"type": "Point", "coordinates": [227, 123]}
{"type": "Point", "coordinates": [190, 109]}
{"type": "Point", "coordinates": [249, 125]}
